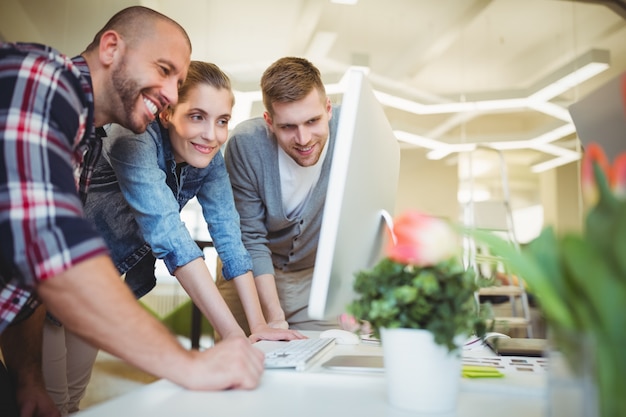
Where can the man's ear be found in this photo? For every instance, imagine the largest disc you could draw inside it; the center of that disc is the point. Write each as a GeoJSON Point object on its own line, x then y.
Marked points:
{"type": "Point", "coordinates": [268, 121]}
{"type": "Point", "coordinates": [110, 45]}
{"type": "Point", "coordinates": [329, 108]}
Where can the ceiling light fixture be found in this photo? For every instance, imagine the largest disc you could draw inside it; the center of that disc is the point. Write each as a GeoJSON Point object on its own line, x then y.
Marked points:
{"type": "Point", "coordinates": [581, 69]}
{"type": "Point", "coordinates": [563, 156]}
{"type": "Point", "coordinates": [551, 109]}
{"type": "Point", "coordinates": [568, 82]}
{"type": "Point", "coordinates": [449, 149]}
{"type": "Point", "coordinates": [585, 67]}
{"type": "Point", "coordinates": [554, 163]}
{"type": "Point", "coordinates": [555, 134]}
{"type": "Point", "coordinates": [418, 140]}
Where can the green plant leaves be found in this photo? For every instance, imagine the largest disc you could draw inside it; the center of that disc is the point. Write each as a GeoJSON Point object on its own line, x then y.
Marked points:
{"type": "Point", "coordinates": [580, 282]}
{"type": "Point", "coordinates": [439, 298]}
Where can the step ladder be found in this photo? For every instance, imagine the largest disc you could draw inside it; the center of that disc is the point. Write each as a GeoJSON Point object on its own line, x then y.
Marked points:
{"type": "Point", "coordinates": [495, 216]}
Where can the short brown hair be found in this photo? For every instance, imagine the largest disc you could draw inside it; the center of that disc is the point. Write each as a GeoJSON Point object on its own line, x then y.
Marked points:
{"type": "Point", "coordinates": [132, 22]}
{"type": "Point", "coordinates": [290, 79]}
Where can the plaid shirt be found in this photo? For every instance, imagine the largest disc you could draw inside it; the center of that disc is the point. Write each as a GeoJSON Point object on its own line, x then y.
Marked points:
{"type": "Point", "coordinates": [48, 146]}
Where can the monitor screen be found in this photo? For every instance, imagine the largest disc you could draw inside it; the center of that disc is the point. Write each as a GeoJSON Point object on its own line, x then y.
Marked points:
{"type": "Point", "coordinates": [362, 188]}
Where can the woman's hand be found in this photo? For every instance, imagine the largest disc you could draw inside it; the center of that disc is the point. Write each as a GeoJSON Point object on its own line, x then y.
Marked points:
{"type": "Point", "coordinates": [269, 332]}
{"type": "Point", "coordinates": [279, 324]}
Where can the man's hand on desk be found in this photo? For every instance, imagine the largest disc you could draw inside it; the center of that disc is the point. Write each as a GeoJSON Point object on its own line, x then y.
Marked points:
{"type": "Point", "coordinates": [231, 364]}
{"type": "Point", "coordinates": [274, 331]}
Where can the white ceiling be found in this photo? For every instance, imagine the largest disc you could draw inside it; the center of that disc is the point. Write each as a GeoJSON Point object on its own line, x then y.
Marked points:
{"type": "Point", "coordinates": [424, 51]}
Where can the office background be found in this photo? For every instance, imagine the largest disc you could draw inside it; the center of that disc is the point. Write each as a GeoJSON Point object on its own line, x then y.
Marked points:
{"type": "Point", "coordinates": [452, 74]}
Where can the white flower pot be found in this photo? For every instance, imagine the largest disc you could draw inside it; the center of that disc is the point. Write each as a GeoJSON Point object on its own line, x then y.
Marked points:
{"type": "Point", "coordinates": [421, 375]}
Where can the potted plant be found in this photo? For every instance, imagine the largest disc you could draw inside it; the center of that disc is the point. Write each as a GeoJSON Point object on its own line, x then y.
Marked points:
{"type": "Point", "coordinates": [579, 281]}
{"type": "Point", "coordinates": [421, 301]}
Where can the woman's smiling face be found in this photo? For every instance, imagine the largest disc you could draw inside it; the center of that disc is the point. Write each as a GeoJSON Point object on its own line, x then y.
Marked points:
{"type": "Point", "coordinates": [198, 126]}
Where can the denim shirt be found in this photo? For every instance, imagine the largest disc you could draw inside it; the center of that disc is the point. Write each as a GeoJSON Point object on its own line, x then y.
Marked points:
{"type": "Point", "coordinates": [135, 198]}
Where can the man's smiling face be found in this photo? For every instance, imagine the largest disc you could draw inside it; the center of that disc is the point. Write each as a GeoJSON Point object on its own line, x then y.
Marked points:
{"type": "Point", "coordinates": [301, 127]}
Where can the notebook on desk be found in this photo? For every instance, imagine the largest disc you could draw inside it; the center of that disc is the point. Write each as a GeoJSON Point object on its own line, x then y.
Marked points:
{"type": "Point", "coordinates": [517, 346]}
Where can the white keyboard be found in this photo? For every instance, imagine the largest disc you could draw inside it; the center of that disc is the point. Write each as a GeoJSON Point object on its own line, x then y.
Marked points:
{"type": "Point", "coordinates": [298, 354]}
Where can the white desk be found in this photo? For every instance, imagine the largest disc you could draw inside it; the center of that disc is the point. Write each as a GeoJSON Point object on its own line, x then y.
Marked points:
{"type": "Point", "coordinates": [320, 392]}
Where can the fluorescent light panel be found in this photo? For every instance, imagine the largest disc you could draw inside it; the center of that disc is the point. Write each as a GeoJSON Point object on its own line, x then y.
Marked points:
{"type": "Point", "coordinates": [555, 134]}
{"type": "Point", "coordinates": [588, 66]}
{"type": "Point", "coordinates": [551, 109]}
{"type": "Point", "coordinates": [418, 140]}
{"type": "Point", "coordinates": [474, 106]}
{"type": "Point", "coordinates": [553, 163]}
{"type": "Point", "coordinates": [448, 149]}
{"type": "Point", "coordinates": [571, 80]}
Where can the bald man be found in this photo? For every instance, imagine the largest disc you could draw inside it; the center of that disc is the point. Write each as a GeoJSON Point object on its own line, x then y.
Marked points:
{"type": "Point", "coordinates": [51, 107]}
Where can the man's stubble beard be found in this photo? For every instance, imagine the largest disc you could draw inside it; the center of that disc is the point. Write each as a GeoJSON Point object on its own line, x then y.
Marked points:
{"type": "Point", "coordinates": [127, 91]}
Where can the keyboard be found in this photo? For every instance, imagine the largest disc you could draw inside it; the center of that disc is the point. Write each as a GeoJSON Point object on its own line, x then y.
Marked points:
{"type": "Point", "coordinates": [298, 354]}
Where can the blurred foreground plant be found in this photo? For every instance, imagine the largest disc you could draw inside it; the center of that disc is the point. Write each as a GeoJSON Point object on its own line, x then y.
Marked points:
{"type": "Point", "coordinates": [580, 280]}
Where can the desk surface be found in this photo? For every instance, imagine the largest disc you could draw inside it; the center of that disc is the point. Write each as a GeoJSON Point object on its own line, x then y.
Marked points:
{"type": "Point", "coordinates": [323, 392]}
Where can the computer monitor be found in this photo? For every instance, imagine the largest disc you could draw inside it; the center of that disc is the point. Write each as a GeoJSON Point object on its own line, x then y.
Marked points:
{"type": "Point", "coordinates": [362, 187]}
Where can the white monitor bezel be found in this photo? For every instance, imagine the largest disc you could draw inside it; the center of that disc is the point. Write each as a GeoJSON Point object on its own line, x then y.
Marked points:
{"type": "Point", "coordinates": [361, 119]}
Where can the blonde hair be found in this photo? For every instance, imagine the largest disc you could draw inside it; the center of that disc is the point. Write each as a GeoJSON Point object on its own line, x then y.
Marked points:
{"type": "Point", "coordinates": [204, 73]}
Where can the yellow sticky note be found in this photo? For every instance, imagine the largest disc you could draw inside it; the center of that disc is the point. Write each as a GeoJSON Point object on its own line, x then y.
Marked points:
{"type": "Point", "coordinates": [476, 371]}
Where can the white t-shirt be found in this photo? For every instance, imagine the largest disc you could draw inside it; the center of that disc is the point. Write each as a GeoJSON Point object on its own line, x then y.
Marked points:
{"type": "Point", "coordinates": [297, 181]}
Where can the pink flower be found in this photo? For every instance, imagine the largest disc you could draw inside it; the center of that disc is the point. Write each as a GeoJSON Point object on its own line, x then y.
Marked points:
{"type": "Point", "coordinates": [618, 179]}
{"type": "Point", "coordinates": [615, 175]}
{"type": "Point", "coordinates": [422, 240]}
{"type": "Point", "coordinates": [593, 154]}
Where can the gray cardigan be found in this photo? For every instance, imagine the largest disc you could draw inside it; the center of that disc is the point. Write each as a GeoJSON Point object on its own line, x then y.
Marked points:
{"type": "Point", "coordinates": [272, 239]}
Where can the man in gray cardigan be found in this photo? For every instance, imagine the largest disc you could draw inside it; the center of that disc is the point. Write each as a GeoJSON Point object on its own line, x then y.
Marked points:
{"type": "Point", "coordinates": [279, 167]}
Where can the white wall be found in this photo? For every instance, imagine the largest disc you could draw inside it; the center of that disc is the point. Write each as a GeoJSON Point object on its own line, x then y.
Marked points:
{"type": "Point", "coordinates": [428, 186]}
